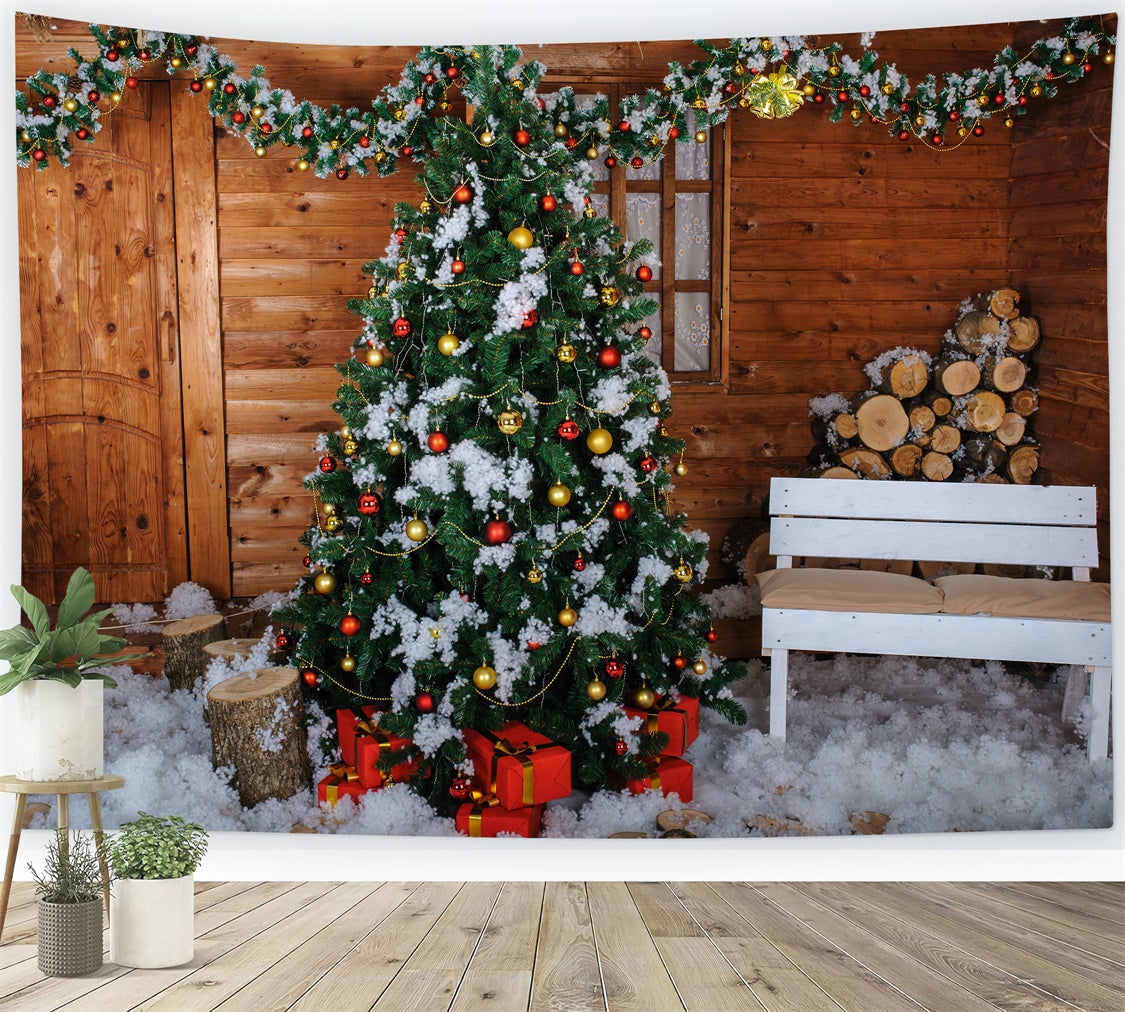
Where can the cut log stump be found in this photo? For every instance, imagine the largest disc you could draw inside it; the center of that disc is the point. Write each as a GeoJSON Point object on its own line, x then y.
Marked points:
{"type": "Point", "coordinates": [976, 331]}
{"type": "Point", "coordinates": [882, 422]}
{"type": "Point", "coordinates": [229, 650]}
{"type": "Point", "coordinates": [956, 377]}
{"type": "Point", "coordinates": [1023, 334]}
{"type": "Point", "coordinates": [258, 727]}
{"type": "Point", "coordinates": [184, 640]}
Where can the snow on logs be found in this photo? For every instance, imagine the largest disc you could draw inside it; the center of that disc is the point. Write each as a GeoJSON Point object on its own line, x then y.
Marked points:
{"type": "Point", "coordinates": [184, 641]}
{"type": "Point", "coordinates": [959, 416]}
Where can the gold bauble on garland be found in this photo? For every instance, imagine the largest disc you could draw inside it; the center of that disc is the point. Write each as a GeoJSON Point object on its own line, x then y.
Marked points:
{"type": "Point", "coordinates": [448, 343]}
{"type": "Point", "coordinates": [599, 440]}
{"type": "Point", "coordinates": [394, 448]}
{"type": "Point", "coordinates": [417, 530]}
{"type": "Point", "coordinates": [568, 616]}
{"type": "Point", "coordinates": [375, 357]}
{"type": "Point", "coordinates": [333, 523]}
{"type": "Point", "coordinates": [566, 353]}
{"type": "Point", "coordinates": [534, 574]}
{"type": "Point", "coordinates": [558, 494]}
{"type": "Point", "coordinates": [347, 663]}
{"type": "Point", "coordinates": [608, 296]}
{"type": "Point", "coordinates": [699, 666]}
{"type": "Point", "coordinates": [521, 237]}
{"type": "Point", "coordinates": [644, 697]}
{"type": "Point", "coordinates": [484, 678]}
{"type": "Point", "coordinates": [682, 572]}
{"type": "Point", "coordinates": [596, 689]}
{"type": "Point", "coordinates": [509, 422]}
{"type": "Point", "coordinates": [324, 582]}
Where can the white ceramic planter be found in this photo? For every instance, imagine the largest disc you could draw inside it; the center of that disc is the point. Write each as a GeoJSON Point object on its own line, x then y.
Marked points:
{"type": "Point", "coordinates": [58, 729]}
{"type": "Point", "coordinates": [152, 922]}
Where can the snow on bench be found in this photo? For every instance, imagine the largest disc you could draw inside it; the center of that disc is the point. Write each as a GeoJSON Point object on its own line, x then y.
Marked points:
{"type": "Point", "coordinates": [965, 616]}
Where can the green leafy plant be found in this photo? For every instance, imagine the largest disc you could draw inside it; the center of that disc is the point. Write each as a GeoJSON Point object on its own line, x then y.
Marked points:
{"type": "Point", "coordinates": [157, 846]}
{"type": "Point", "coordinates": [71, 872]}
{"type": "Point", "coordinates": [69, 651]}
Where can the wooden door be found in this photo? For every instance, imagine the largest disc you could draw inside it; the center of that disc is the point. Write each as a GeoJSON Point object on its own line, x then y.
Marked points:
{"type": "Point", "coordinates": [103, 467]}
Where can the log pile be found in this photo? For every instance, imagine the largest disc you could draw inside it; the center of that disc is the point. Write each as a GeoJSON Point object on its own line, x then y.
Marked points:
{"type": "Point", "coordinates": [959, 416]}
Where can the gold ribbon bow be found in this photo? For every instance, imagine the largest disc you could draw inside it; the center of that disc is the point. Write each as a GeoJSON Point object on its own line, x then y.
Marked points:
{"type": "Point", "coordinates": [651, 764]}
{"type": "Point", "coordinates": [652, 722]}
{"type": "Point", "coordinates": [502, 747]}
{"type": "Point", "coordinates": [341, 773]}
{"type": "Point", "coordinates": [481, 801]}
{"type": "Point", "coordinates": [774, 96]}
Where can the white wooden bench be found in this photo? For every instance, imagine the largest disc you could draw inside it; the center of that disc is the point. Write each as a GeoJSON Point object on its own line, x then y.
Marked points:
{"type": "Point", "coordinates": [966, 616]}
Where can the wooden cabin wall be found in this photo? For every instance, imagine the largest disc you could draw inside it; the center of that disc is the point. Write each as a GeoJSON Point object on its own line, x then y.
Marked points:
{"type": "Point", "coordinates": [844, 242]}
{"type": "Point", "coordinates": [1060, 166]}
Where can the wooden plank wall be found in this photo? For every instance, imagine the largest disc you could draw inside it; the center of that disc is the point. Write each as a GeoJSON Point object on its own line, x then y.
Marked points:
{"type": "Point", "coordinates": [845, 242]}
{"type": "Point", "coordinates": [1060, 165]}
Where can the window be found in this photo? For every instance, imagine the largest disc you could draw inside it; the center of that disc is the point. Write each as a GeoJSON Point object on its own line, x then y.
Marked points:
{"type": "Point", "coordinates": [677, 203]}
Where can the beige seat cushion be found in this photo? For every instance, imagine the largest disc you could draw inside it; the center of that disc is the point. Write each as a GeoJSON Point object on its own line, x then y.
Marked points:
{"type": "Point", "coordinates": [1002, 595]}
{"type": "Point", "coordinates": [848, 590]}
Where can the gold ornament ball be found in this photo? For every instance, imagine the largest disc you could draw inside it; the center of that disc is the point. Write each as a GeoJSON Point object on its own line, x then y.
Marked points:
{"type": "Point", "coordinates": [599, 440]}
{"type": "Point", "coordinates": [176, 62]}
{"type": "Point", "coordinates": [484, 678]}
{"type": "Point", "coordinates": [888, 89]}
{"type": "Point", "coordinates": [700, 136]}
{"type": "Point", "coordinates": [487, 138]}
{"type": "Point", "coordinates": [394, 448]}
{"type": "Point", "coordinates": [257, 112]}
{"type": "Point", "coordinates": [855, 114]}
{"type": "Point", "coordinates": [425, 206]}
{"type": "Point", "coordinates": [644, 697]}
{"type": "Point", "coordinates": [683, 572]}
{"type": "Point", "coordinates": [558, 494]}
{"type": "Point", "coordinates": [590, 212]}
{"type": "Point", "coordinates": [680, 468]}
{"type": "Point", "coordinates": [608, 296]}
{"type": "Point", "coordinates": [534, 575]}
{"type": "Point", "coordinates": [591, 153]}
{"type": "Point", "coordinates": [115, 97]}
{"type": "Point", "coordinates": [808, 89]}
{"type": "Point", "coordinates": [566, 353]}
{"type": "Point", "coordinates": [1009, 122]}
{"type": "Point", "coordinates": [402, 271]}
{"type": "Point", "coordinates": [333, 523]}
{"type": "Point", "coordinates": [568, 616]}
{"type": "Point", "coordinates": [1068, 58]}
{"type": "Point", "coordinates": [303, 166]}
{"type": "Point", "coordinates": [518, 84]}
{"type": "Point", "coordinates": [560, 130]}
{"type": "Point", "coordinates": [1107, 59]}
{"type": "Point", "coordinates": [349, 446]}
{"type": "Point", "coordinates": [521, 237]}
{"type": "Point", "coordinates": [417, 530]}
{"type": "Point", "coordinates": [70, 105]}
{"type": "Point", "coordinates": [25, 136]}
{"type": "Point", "coordinates": [347, 663]}
{"type": "Point", "coordinates": [698, 103]}
{"type": "Point", "coordinates": [596, 689]}
{"type": "Point", "coordinates": [919, 121]}
{"type": "Point", "coordinates": [962, 131]}
{"type": "Point", "coordinates": [375, 357]}
{"type": "Point", "coordinates": [834, 71]}
{"type": "Point", "coordinates": [509, 422]}
{"type": "Point", "coordinates": [260, 151]}
{"type": "Point", "coordinates": [654, 407]}
{"type": "Point", "coordinates": [448, 343]}
{"type": "Point", "coordinates": [699, 667]}
{"type": "Point", "coordinates": [1036, 91]}
{"type": "Point", "coordinates": [324, 583]}
{"type": "Point", "coordinates": [399, 114]}
{"type": "Point", "coordinates": [209, 83]}
{"type": "Point", "coordinates": [766, 45]}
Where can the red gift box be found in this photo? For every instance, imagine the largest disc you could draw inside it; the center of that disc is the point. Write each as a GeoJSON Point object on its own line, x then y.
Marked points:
{"type": "Point", "coordinates": [484, 816]}
{"type": "Point", "coordinates": [677, 718]}
{"type": "Point", "coordinates": [519, 766]}
{"type": "Point", "coordinates": [668, 775]}
{"type": "Point", "coordinates": [341, 782]}
{"type": "Point", "coordinates": [363, 744]}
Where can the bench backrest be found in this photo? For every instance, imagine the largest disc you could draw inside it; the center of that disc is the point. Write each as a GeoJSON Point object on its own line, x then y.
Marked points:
{"type": "Point", "coordinates": [942, 521]}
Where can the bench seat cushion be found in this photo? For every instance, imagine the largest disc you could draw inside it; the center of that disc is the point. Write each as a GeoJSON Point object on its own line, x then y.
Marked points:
{"type": "Point", "coordinates": [1001, 595]}
{"type": "Point", "coordinates": [848, 590]}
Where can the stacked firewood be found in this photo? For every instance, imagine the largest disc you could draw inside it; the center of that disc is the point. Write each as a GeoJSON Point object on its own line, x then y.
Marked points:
{"type": "Point", "coordinates": [960, 416]}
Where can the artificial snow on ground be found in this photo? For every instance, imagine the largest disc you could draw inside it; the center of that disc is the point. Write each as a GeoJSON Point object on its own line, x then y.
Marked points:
{"type": "Point", "coordinates": [933, 744]}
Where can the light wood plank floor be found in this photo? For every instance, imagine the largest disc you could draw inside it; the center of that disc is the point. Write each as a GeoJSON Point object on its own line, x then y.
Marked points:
{"type": "Point", "coordinates": [651, 946]}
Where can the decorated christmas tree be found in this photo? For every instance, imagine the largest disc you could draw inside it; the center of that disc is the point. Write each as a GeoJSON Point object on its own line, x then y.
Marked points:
{"type": "Point", "coordinates": [493, 535]}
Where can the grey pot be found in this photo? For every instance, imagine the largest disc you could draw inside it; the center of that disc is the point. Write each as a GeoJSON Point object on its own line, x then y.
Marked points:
{"type": "Point", "coordinates": [70, 938]}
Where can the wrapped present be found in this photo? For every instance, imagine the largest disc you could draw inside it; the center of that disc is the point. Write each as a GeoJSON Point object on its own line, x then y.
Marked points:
{"type": "Point", "coordinates": [342, 781]}
{"type": "Point", "coordinates": [677, 718]}
{"type": "Point", "coordinates": [363, 744]}
{"type": "Point", "coordinates": [519, 766]}
{"type": "Point", "coordinates": [666, 774]}
{"type": "Point", "coordinates": [485, 816]}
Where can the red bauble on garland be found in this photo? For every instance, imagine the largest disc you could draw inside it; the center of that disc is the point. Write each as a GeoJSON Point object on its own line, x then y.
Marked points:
{"type": "Point", "coordinates": [497, 532]}
{"type": "Point", "coordinates": [614, 667]}
{"type": "Point", "coordinates": [460, 787]}
{"type": "Point", "coordinates": [402, 327]}
{"type": "Point", "coordinates": [712, 636]}
{"type": "Point", "coordinates": [310, 678]}
{"type": "Point", "coordinates": [621, 747]}
{"type": "Point", "coordinates": [579, 563]}
{"type": "Point", "coordinates": [350, 625]}
{"type": "Point", "coordinates": [462, 195]}
{"type": "Point", "coordinates": [457, 267]}
{"type": "Point", "coordinates": [609, 357]}
{"type": "Point", "coordinates": [577, 268]}
{"type": "Point", "coordinates": [424, 702]}
{"type": "Point", "coordinates": [341, 173]}
{"type": "Point", "coordinates": [369, 503]}
{"type": "Point", "coordinates": [644, 333]}
{"type": "Point", "coordinates": [327, 464]}
{"type": "Point", "coordinates": [648, 463]}
{"type": "Point", "coordinates": [282, 641]}
{"type": "Point", "coordinates": [522, 138]}
{"type": "Point", "coordinates": [621, 510]}
{"type": "Point", "coordinates": [366, 579]}
{"type": "Point", "coordinates": [530, 319]}
{"type": "Point", "coordinates": [548, 202]}
{"type": "Point", "coordinates": [680, 662]}
{"type": "Point", "coordinates": [438, 442]}
{"type": "Point", "coordinates": [644, 273]}
{"type": "Point", "coordinates": [568, 429]}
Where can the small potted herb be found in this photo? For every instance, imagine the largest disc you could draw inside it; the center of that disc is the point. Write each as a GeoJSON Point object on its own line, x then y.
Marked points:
{"type": "Point", "coordinates": [54, 684]}
{"type": "Point", "coordinates": [152, 905]}
{"type": "Point", "coordinates": [69, 892]}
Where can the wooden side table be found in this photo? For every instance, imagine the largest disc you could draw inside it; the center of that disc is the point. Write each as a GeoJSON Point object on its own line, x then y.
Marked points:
{"type": "Point", "coordinates": [62, 789]}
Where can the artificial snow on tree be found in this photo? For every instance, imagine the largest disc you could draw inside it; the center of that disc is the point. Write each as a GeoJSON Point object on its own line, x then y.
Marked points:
{"type": "Point", "coordinates": [493, 539]}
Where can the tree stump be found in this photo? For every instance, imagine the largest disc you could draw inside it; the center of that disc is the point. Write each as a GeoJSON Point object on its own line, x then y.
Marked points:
{"type": "Point", "coordinates": [183, 641]}
{"type": "Point", "coordinates": [258, 727]}
{"type": "Point", "coordinates": [228, 650]}
{"type": "Point", "coordinates": [882, 422]}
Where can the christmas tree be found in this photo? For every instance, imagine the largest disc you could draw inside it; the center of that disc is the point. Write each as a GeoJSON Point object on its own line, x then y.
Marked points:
{"type": "Point", "coordinates": [493, 536]}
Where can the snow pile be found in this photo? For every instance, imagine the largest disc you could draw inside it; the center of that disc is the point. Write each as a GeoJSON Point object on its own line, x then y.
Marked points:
{"type": "Point", "coordinates": [936, 745]}
{"type": "Point", "coordinates": [188, 600]}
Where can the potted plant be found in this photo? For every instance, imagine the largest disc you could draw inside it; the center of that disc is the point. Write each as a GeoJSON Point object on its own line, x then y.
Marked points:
{"type": "Point", "coordinates": [152, 904]}
{"type": "Point", "coordinates": [69, 895]}
{"type": "Point", "coordinates": [54, 685]}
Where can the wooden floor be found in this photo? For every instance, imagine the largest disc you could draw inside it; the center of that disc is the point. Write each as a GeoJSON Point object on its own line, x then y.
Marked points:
{"type": "Point", "coordinates": [647, 946]}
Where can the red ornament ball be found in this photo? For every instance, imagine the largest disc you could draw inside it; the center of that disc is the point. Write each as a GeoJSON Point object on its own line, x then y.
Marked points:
{"type": "Point", "coordinates": [522, 138]}
{"type": "Point", "coordinates": [350, 625]}
{"type": "Point", "coordinates": [842, 96]}
{"type": "Point", "coordinates": [365, 141]}
{"type": "Point", "coordinates": [230, 89]}
{"type": "Point", "coordinates": [307, 560]}
{"type": "Point", "coordinates": [904, 135]}
{"type": "Point", "coordinates": [327, 464]}
{"type": "Point", "coordinates": [145, 55]}
{"type": "Point", "coordinates": [369, 504]}
{"type": "Point", "coordinates": [548, 202]}
{"type": "Point", "coordinates": [530, 319]}
{"type": "Point", "coordinates": [614, 667]}
{"type": "Point", "coordinates": [648, 463]}
{"type": "Point", "coordinates": [196, 86]}
{"type": "Point", "coordinates": [38, 154]}
{"type": "Point", "coordinates": [621, 747]}
{"type": "Point", "coordinates": [402, 327]}
{"type": "Point", "coordinates": [452, 72]}
{"type": "Point", "coordinates": [438, 442]}
{"type": "Point", "coordinates": [463, 194]}
{"type": "Point", "coordinates": [637, 162]}
{"type": "Point", "coordinates": [132, 82]}
{"type": "Point", "coordinates": [420, 100]}
{"type": "Point", "coordinates": [680, 662]}
{"type": "Point", "coordinates": [673, 132]}
{"type": "Point", "coordinates": [864, 90]}
{"type": "Point", "coordinates": [497, 532]}
{"type": "Point", "coordinates": [460, 788]}
{"type": "Point", "coordinates": [429, 79]}
{"type": "Point", "coordinates": [610, 162]}
{"type": "Point", "coordinates": [366, 579]}
{"type": "Point", "coordinates": [577, 268]}
{"type": "Point", "coordinates": [407, 150]}
{"type": "Point", "coordinates": [936, 140]}
{"type": "Point", "coordinates": [341, 173]}
{"type": "Point", "coordinates": [457, 267]}
{"type": "Point", "coordinates": [49, 100]}
{"type": "Point", "coordinates": [624, 127]}
{"type": "Point", "coordinates": [424, 702]}
{"type": "Point", "coordinates": [282, 641]}
{"type": "Point", "coordinates": [621, 510]}
{"type": "Point", "coordinates": [81, 133]}
{"type": "Point", "coordinates": [954, 115]}
{"type": "Point", "coordinates": [978, 130]}
{"type": "Point", "coordinates": [568, 429]}
{"type": "Point", "coordinates": [238, 116]}
{"type": "Point", "coordinates": [644, 273]}
{"type": "Point", "coordinates": [533, 644]}
{"type": "Point", "coordinates": [609, 357]}
{"type": "Point", "coordinates": [712, 636]}
{"type": "Point", "coordinates": [94, 95]}
{"type": "Point", "coordinates": [571, 143]}
{"type": "Point", "coordinates": [400, 234]}
{"type": "Point", "coordinates": [644, 333]}
{"type": "Point", "coordinates": [191, 49]}
{"type": "Point", "coordinates": [579, 564]}
{"type": "Point", "coordinates": [818, 98]}
{"type": "Point", "coordinates": [310, 678]}
{"type": "Point", "coordinates": [306, 131]}
{"type": "Point", "coordinates": [112, 55]}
